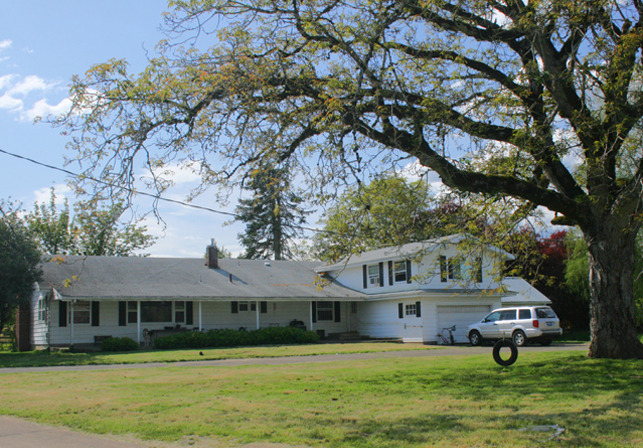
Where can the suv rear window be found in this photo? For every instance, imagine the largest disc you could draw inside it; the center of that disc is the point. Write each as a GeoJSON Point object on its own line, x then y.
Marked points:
{"type": "Point", "coordinates": [524, 314]}
{"type": "Point", "coordinates": [545, 313]}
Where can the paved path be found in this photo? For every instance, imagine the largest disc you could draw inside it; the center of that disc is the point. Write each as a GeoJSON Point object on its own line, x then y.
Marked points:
{"type": "Point", "coordinates": [17, 433]}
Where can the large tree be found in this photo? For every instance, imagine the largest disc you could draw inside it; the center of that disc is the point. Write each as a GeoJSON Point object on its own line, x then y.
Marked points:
{"type": "Point", "coordinates": [388, 211]}
{"type": "Point", "coordinates": [19, 264]}
{"type": "Point", "coordinates": [273, 215]}
{"type": "Point", "coordinates": [492, 95]}
{"type": "Point", "coordinates": [92, 230]}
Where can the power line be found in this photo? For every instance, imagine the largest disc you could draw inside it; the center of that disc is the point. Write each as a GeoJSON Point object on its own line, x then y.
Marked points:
{"type": "Point", "coordinates": [142, 193]}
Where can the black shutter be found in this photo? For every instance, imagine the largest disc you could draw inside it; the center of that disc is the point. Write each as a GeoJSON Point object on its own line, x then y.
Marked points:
{"type": "Point", "coordinates": [189, 313]}
{"type": "Point", "coordinates": [400, 310]}
{"type": "Point", "coordinates": [95, 314]}
{"type": "Point", "coordinates": [418, 309]}
{"type": "Point", "coordinates": [408, 271]}
{"type": "Point", "coordinates": [338, 311]}
{"type": "Point", "coordinates": [263, 307]}
{"type": "Point", "coordinates": [381, 274]}
{"type": "Point", "coordinates": [234, 307]}
{"type": "Point", "coordinates": [365, 275]}
{"type": "Point", "coordinates": [443, 268]}
{"type": "Point", "coordinates": [314, 305]}
{"type": "Point", "coordinates": [390, 273]}
{"type": "Point", "coordinates": [122, 314]}
{"type": "Point", "coordinates": [62, 314]}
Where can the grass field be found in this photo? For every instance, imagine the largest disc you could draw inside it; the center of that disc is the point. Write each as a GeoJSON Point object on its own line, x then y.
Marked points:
{"type": "Point", "coordinates": [65, 358]}
{"type": "Point", "coordinates": [454, 401]}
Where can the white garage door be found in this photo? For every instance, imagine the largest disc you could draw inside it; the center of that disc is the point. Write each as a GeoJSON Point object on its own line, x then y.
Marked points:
{"type": "Point", "coordinates": [461, 317]}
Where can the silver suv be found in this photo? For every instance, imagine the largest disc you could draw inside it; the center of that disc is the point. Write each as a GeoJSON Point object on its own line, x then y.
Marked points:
{"type": "Point", "coordinates": [520, 324]}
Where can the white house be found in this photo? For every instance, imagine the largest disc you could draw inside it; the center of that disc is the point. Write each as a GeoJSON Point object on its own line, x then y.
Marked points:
{"type": "Point", "coordinates": [407, 293]}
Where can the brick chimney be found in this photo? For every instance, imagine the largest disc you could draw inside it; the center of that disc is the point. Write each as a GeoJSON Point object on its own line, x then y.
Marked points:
{"type": "Point", "coordinates": [212, 256]}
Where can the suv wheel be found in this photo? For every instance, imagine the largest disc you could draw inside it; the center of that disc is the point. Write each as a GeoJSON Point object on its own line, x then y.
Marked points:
{"type": "Point", "coordinates": [475, 338]}
{"type": "Point", "coordinates": [519, 338]}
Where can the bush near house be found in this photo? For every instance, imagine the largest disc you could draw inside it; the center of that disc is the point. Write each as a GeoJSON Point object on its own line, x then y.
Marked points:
{"type": "Point", "coordinates": [119, 345]}
{"type": "Point", "coordinates": [235, 338]}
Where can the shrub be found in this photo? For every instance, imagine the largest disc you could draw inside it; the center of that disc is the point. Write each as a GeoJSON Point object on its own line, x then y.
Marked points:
{"type": "Point", "coordinates": [119, 345]}
{"type": "Point", "coordinates": [235, 338]}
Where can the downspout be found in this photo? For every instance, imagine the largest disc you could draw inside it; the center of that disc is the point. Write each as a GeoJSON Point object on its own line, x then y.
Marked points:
{"type": "Point", "coordinates": [71, 327]}
{"type": "Point", "coordinates": [257, 312]}
{"type": "Point", "coordinates": [311, 317]}
{"type": "Point", "coordinates": [200, 326]}
{"type": "Point", "coordinates": [138, 322]}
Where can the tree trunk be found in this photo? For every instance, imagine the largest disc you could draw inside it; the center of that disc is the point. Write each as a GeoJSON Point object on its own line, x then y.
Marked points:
{"type": "Point", "coordinates": [611, 284]}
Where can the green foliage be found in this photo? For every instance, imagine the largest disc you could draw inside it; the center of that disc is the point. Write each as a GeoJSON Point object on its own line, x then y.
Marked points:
{"type": "Point", "coordinates": [492, 96]}
{"type": "Point", "coordinates": [235, 338]}
{"type": "Point", "coordinates": [119, 345]}
{"type": "Point", "coordinates": [273, 215]}
{"type": "Point", "coordinates": [92, 231]}
{"type": "Point", "coordinates": [389, 211]}
{"type": "Point", "coordinates": [19, 264]}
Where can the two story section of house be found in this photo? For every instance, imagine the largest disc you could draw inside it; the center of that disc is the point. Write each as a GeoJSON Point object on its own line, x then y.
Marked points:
{"type": "Point", "coordinates": [413, 291]}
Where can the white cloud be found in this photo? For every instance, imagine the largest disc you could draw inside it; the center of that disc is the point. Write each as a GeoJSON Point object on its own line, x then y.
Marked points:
{"type": "Point", "coordinates": [44, 109]}
{"type": "Point", "coordinates": [43, 195]}
{"type": "Point", "coordinates": [14, 89]}
{"type": "Point", "coordinates": [4, 44]}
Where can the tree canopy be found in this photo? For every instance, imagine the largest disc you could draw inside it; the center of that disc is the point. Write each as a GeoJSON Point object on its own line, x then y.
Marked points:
{"type": "Point", "coordinates": [19, 264]}
{"type": "Point", "coordinates": [497, 97]}
{"type": "Point", "coordinates": [92, 230]}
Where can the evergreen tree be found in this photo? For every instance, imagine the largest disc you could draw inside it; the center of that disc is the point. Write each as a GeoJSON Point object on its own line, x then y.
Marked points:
{"type": "Point", "coordinates": [273, 215]}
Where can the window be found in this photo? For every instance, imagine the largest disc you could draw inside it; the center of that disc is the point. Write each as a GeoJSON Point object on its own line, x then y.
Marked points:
{"type": "Point", "coordinates": [179, 312]}
{"type": "Point", "coordinates": [156, 311]}
{"type": "Point", "coordinates": [450, 268]}
{"type": "Point", "coordinates": [247, 306]}
{"type": "Point", "coordinates": [455, 269]}
{"type": "Point", "coordinates": [80, 311]}
{"type": "Point", "coordinates": [508, 315]}
{"type": "Point", "coordinates": [399, 271]}
{"type": "Point", "coordinates": [243, 306]}
{"type": "Point", "coordinates": [132, 312]}
{"type": "Point", "coordinates": [410, 310]}
{"type": "Point", "coordinates": [373, 275]}
{"type": "Point", "coordinates": [353, 307]}
{"type": "Point", "coordinates": [42, 309]}
{"type": "Point", "coordinates": [524, 314]}
{"type": "Point", "coordinates": [325, 311]}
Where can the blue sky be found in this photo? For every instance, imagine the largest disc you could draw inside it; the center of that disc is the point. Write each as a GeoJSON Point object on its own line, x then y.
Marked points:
{"type": "Point", "coordinates": [42, 45]}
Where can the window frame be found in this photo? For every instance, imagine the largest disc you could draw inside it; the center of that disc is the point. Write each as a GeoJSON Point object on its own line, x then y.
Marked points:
{"type": "Point", "coordinates": [328, 309]}
{"type": "Point", "coordinates": [371, 277]}
{"type": "Point", "coordinates": [400, 268]}
{"type": "Point", "coordinates": [80, 312]}
{"type": "Point", "coordinates": [410, 309]}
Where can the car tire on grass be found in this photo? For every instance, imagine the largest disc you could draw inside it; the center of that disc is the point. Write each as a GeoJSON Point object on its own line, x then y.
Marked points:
{"type": "Point", "coordinates": [519, 338]}
{"type": "Point", "coordinates": [475, 338]}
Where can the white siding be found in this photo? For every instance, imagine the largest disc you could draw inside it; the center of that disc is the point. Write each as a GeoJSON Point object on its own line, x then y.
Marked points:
{"type": "Point", "coordinates": [214, 315]}
{"type": "Point", "coordinates": [38, 326]}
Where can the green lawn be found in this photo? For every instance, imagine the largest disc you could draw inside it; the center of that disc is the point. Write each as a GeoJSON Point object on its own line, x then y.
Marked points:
{"type": "Point", "coordinates": [46, 358]}
{"type": "Point", "coordinates": [454, 401]}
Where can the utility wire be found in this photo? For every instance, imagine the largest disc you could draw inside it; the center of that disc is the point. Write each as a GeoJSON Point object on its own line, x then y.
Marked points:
{"type": "Point", "coordinates": [142, 193]}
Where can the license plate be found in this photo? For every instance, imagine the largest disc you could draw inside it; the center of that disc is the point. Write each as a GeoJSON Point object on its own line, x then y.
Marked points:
{"type": "Point", "coordinates": [549, 324]}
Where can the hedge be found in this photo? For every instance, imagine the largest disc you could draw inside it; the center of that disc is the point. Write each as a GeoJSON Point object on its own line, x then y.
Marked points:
{"type": "Point", "coordinates": [119, 345]}
{"type": "Point", "coordinates": [235, 338]}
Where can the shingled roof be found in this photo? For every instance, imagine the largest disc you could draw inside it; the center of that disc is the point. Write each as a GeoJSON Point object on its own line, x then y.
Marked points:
{"type": "Point", "coordinates": [137, 278]}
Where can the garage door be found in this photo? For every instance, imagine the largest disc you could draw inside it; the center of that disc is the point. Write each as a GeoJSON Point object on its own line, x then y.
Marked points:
{"type": "Point", "coordinates": [461, 317]}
